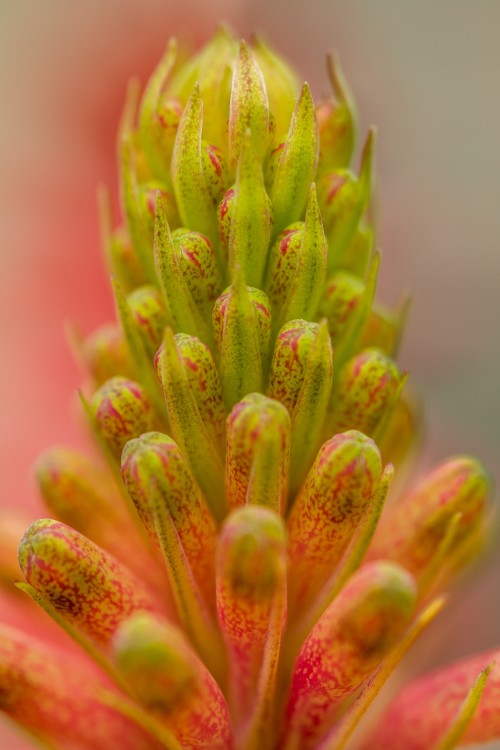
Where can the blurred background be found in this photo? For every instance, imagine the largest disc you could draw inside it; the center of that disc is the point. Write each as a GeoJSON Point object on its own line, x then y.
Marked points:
{"type": "Point", "coordinates": [425, 73]}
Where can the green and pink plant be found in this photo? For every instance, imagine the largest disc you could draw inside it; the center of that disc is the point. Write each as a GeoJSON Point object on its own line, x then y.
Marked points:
{"type": "Point", "coordinates": [229, 568]}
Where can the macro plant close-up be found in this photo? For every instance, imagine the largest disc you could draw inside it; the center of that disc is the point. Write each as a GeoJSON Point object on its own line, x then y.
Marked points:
{"type": "Point", "coordinates": [243, 559]}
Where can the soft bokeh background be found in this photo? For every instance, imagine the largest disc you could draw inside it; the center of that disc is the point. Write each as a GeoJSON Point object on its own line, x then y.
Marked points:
{"type": "Point", "coordinates": [425, 72]}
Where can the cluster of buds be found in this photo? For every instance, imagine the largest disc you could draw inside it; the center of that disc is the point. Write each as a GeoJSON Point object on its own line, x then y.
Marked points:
{"type": "Point", "coordinates": [228, 568]}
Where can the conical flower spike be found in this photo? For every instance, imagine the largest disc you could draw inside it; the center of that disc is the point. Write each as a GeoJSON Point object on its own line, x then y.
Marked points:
{"type": "Point", "coordinates": [366, 392]}
{"type": "Point", "coordinates": [56, 698]}
{"type": "Point", "coordinates": [82, 495]}
{"type": "Point", "coordinates": [249, 108]}
{"type": "Point", "coordinates": [87, 588]}
{"type": "Point", "coordinates": [252, 395]}
{"type": "Point", "coordinates": [258, 453]}
{"type": "Point", "coordinates": [121, 409]}
{"type": "Point", "coordinates": [251, 604]}
{"type": "Point", "coordinates": [242, 324]}
{"type": "Point", "coordinates": [345, 646]}
{"type": "Point", "coordinates": [411, 531]}
{"type": "Point", "coordinates": [297, 164]}
{"type": "Point", "coordinates": [424, 711]}
{"type": "Point", "coordinates": [167, 677]}
{"type": "Point", "coordinates": [246, 217]}
{"type": "Point", "coordinates": [301, 378]}
{"type": "Point", "coordinates": [325, 515]}
{"type": "Point", "coordinates": [153, 465]}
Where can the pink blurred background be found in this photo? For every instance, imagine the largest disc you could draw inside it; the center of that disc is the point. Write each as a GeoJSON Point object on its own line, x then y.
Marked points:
{"type": "Point", "coordinates": [426, 73]}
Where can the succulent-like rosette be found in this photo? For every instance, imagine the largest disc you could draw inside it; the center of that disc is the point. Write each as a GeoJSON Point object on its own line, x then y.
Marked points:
{"type": "Point", "coordinates": [228, 566]}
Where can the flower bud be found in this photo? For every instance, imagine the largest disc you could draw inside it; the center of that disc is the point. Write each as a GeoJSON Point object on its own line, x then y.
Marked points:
{"type": "Point", "coordinates": [251, 581]}
{"type": "Point", "coordinates": [366, 391]}
{"type": "Point", "coordinates": [121, 257]}
{"type": "Point", "coordinates": [248, 212]}
{"type": "Point", "coordinates": [211, 68]}
{"type": "Point", "coordinates": [214, 171]}
{"type": "Point", "coordinates": [224, 216]}
{"type": "Point", "coordinates": [199, 268]}
{"type": "Point", "coordinates": [187, 426]}
{"type": "Point", "coordinates": [273, 160]}
{"type": "Point", "coordinates": [306, 285]}
{"type": "Point", "coordinates": [52, 694]}
{"type": "Point", "coordinates": [123, 261]}
{"type": "Point", "coordinates": [343, 199]}
{"type": "Point", "coordinates": [135, 206]}
{"type": "Point", "coordinates": [297, 163]}
{"type": "Point", "coordinates": [331, 503]}
{"type": "Point", "coordinates": [357, 257]}
{"type": "Point", "coordinates": [242, 324]}
{"type": "Point", "coordinates": [346, 645]}
{"type": "Point", "coordinates": [341, 299]}
{"type": "Point", "coordinates": [283, 259]}
{"type": "Point", "coordinates": [249, 108]}
{"type": "Point", "coordinates": [148, 311]}
{"type": "Point", "coordinates": [281, 82]}
{"type": "Point", "coordinates": [301, 378]}
{"type": "Point", "coordinates": [105, 354]}
{"type": "Point", "coordinates": [160, 115]}
{"type": "Point", "coordinates": [421, 714]}
{"type": "Point", "coordinates": [384, 327]}
{"type": "Point", "coordinates": [82, 495]}
{"type": "Point", "coordinates": [403, 431]}
{"type": "Point", "coordinates": [165, 122]}
{"type": "Point", "coordinates": [258, 453]}
{"type": "Point", "coordinates": [87, 587]}
{"type": "Point", "coordinates": [146, 196]}
{"type": "Point", "coordinates": [411, 531]}
{"type": "Point", "coordinates": [336, 122]}
{"type": "Point", "coordinates": [203, 379]}
{"type": "Point", "coordinates": [153, 465]}
{"type": "Point", "coordinates": [347, 305]}
{"type": "Point", "coordinates": [193, 196]}
{"type": "Point", "coordinates": [121, 410]}
{"type": "Point", "coordinates": [289, 365]}
{"type": "Point", "coordinates": [177, 276]}
{"type": "Point", "coordinates": [168, 678]}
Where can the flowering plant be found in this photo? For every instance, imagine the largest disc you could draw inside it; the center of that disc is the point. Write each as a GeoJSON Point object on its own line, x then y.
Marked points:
{"type": "Point", "coordinates": [229, 570]}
